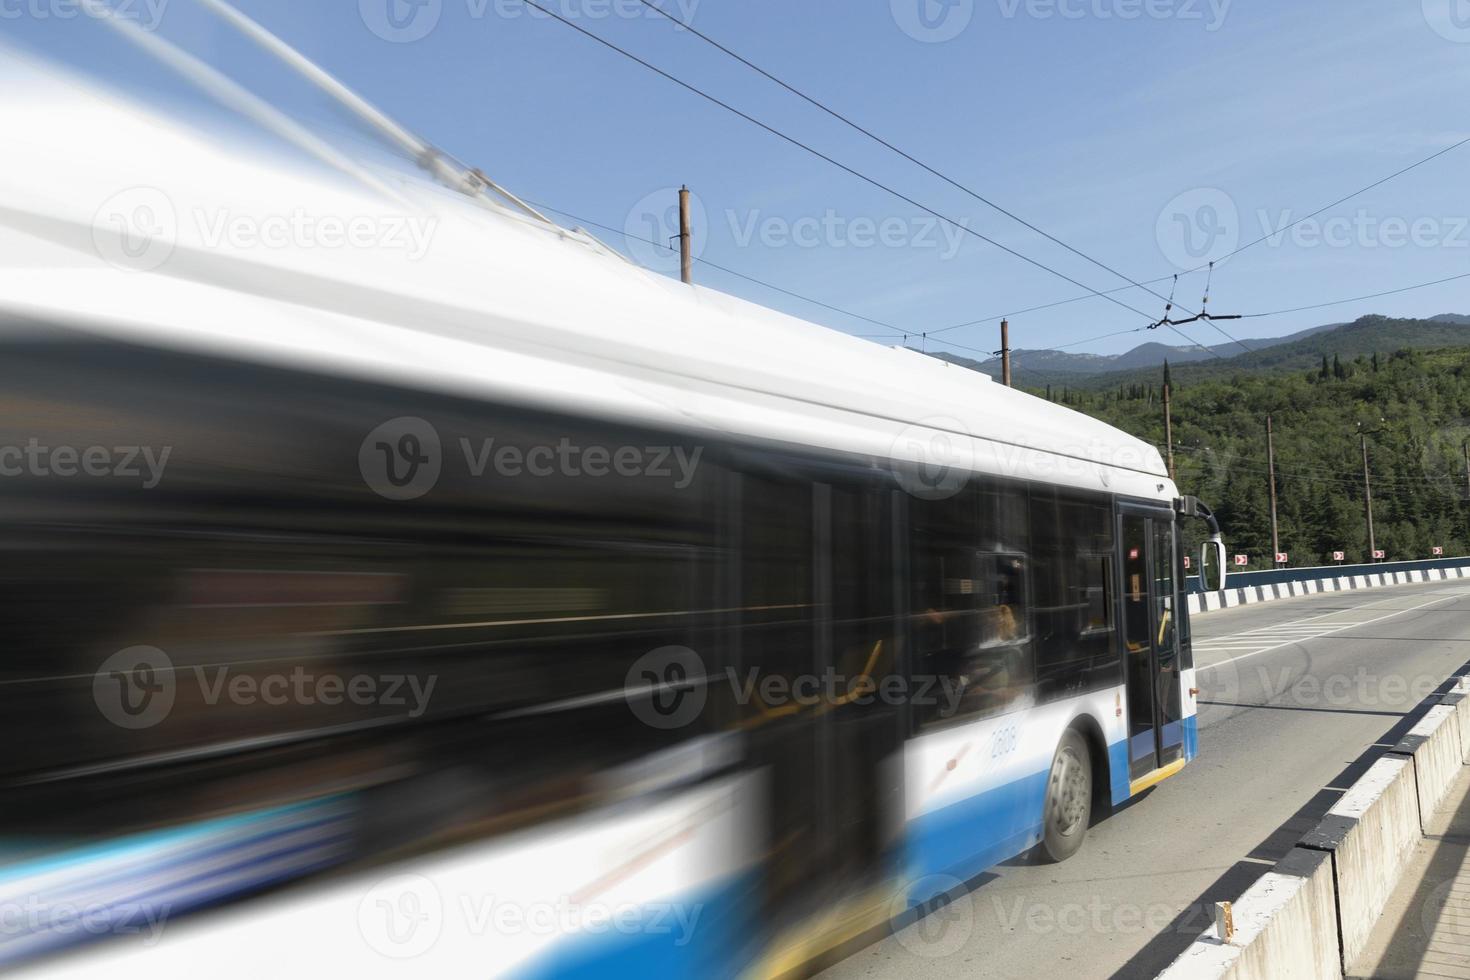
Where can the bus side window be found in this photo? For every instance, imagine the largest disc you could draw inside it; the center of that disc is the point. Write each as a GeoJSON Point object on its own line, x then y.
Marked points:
{"type": "Point", "coordinates": [972, 618]}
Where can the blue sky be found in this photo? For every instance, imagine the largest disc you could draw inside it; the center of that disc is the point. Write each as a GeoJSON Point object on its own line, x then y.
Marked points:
{"type": "Point", "coordinates": [1119, 126]}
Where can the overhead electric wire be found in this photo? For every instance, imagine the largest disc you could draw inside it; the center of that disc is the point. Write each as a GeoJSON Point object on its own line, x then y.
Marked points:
{"type": "Point", "coordinates": [1341, 200]}
{"type": "Point", "coordinates": [897, 331]}
{"type": "Point", "coordinates": [1355, 299]}
{"type": "Point", "coordinates": [914, 160]}
{"type": "Point", "coordinates": [842, 166]}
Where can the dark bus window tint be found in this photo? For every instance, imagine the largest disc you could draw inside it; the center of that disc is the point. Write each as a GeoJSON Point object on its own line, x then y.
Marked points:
{"type": "Point", "coordinates": [972, 626]}
{"type": "Point", "coordinates": [1136, 634]}
{"type": "Point", "coordinates": [1095, 579]}
{"type": "Point", "coordinates": [1072, 545]}
{"type": "Point", "coordinates": [862, 585]}
{"type": "Point", "coordinates": [1165, 612]}
{"type": "Point", "coordinates": [776, 577]}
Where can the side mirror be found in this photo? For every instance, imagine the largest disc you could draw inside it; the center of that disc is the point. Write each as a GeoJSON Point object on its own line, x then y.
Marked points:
{"type": "Point", "coordinates": [1216, 546]}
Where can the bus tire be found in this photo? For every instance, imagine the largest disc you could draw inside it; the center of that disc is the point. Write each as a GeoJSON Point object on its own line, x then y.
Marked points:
{"type": "Point", "coordinates": [1068, 807]}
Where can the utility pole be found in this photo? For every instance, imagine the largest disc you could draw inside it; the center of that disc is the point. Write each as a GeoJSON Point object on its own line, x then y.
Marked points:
{"type": "Point", "coordinates": [1169, 434]}
{"type": "Point", "coordinates": [686, 262]}
{"type": "Point", "coordinates": [1368, 500]}
{"type": "Point", "coordinates": [1005, 352]}
{"type": "Point", "coordinates": [1271, 469]}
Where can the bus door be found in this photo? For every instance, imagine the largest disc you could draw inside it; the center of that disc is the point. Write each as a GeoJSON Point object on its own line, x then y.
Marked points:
{"type": "Point", "coordinates": [1150, 636]}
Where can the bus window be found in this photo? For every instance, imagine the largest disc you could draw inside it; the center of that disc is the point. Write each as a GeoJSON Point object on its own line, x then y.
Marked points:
{"type": "Point", "coordinates": [972, 617]}
{"type": "Point", "coordinates": [1071, 545]}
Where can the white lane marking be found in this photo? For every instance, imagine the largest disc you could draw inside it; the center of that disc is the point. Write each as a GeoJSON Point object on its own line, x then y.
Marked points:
{"type": "Point", "coordinates": [1329, 632]}
{"type": "Point", "coordinates": [1336, 612]}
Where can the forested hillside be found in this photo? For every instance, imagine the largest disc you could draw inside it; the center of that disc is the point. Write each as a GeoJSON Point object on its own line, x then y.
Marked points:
{"type": "Point", "coordinates": [1414, 405]}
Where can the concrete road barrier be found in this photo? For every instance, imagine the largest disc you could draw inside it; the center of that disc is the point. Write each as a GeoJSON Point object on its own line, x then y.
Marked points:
{"type": "Point", "coordinates": [1285, 927]}
{"type": "Point", "coordinates": [1313, 583]}
{"type": "Point", "coordinates": [1370, 833]}
{"type": "Point", "coordinates": [1437, 750]}
{"type": "Point", "coordinates": [1459, 699]}
{"type": "Point", "coordinates": [1311, 916]}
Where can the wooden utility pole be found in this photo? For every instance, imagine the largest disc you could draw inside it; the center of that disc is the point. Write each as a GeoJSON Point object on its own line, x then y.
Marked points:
{"type": "Point", "coordinates": [1005, 352]}
{"type": "Point", "coordinates": [1169, 434]}
{"type": "Point", "coordinates": [1368, 500]}
{"type": "Point", "coordinates": [1271, 470]}
{"type": "Point", "coordinates": [686, 262]}
{"type": "Point", "coordinates": [1466, 448]}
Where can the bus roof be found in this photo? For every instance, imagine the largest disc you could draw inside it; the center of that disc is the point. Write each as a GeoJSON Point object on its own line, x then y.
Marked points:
{"type": "Point", "coordinates": [390, 277]}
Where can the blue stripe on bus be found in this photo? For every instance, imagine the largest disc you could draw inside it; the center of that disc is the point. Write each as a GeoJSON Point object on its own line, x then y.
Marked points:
{"type": "Point", "coordinates": [141, 844]}
{"type": "Point", "coordinates": [712, 936]}
{"type": "Point", "coordinates": [970, 835]}
{"type": "Point", "coordinates": [1118, 770]}
{"type": "Point", "coordinates": [1141, 746]}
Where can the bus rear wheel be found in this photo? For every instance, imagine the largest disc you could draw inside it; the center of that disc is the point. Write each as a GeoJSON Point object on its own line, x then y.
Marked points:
{"type": "Point", "coordinates": [1068, 807]}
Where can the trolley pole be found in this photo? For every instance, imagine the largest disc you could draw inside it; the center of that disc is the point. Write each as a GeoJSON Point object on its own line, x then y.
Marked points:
{"type": "Point", "coordinates": [1368, 500]}
{"type": "Point", "coordinates": [1005, 352]}
{"type": "Point", "coordinates": [1271, 471]}
{"type": "Point", "coordinates": [1169, 433]}
{"type": "Point", "coordinates": [686, 262]}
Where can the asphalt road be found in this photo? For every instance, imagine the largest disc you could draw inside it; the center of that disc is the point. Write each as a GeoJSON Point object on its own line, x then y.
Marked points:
{"type": "Point", "coordinates": [1297, 698]}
